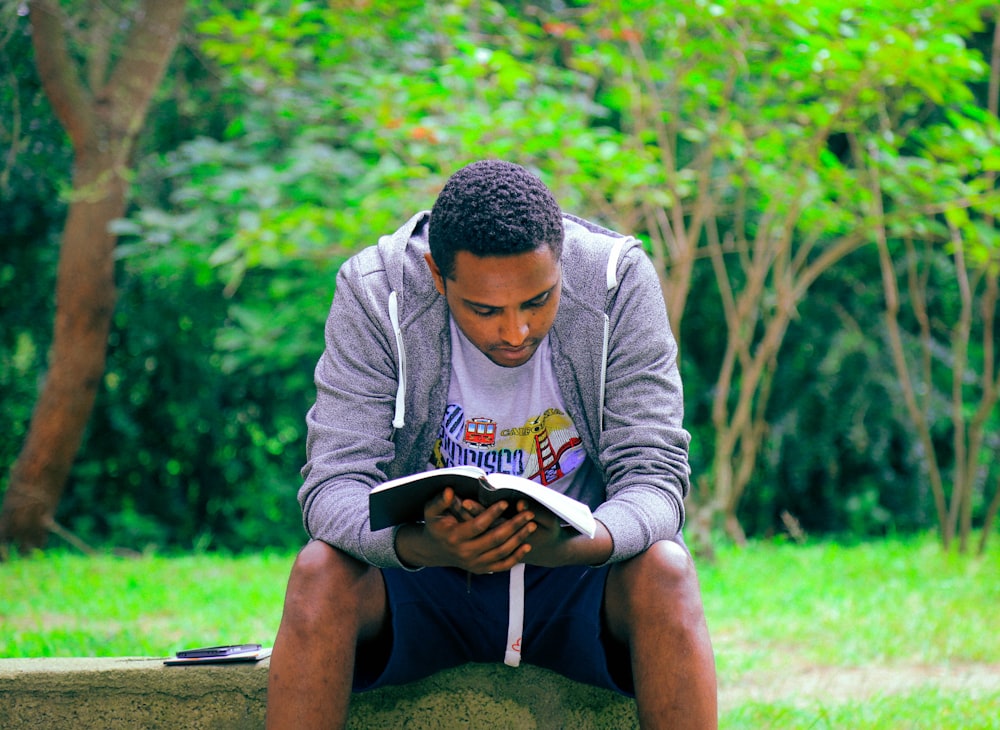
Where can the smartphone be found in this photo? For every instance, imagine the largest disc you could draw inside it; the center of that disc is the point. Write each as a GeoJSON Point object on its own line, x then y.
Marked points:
{"type": "Point", "coordinates": [217, 651]}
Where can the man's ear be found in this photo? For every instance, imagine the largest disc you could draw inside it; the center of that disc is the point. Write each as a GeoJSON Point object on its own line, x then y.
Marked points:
{"type": "Point", "coordinates": [436, 273]}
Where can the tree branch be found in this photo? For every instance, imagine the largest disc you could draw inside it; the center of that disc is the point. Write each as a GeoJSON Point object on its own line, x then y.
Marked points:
{"type": "Point", "coordinates": [70, 100]}
{"type": "Point", "coordinates": [138, 72]}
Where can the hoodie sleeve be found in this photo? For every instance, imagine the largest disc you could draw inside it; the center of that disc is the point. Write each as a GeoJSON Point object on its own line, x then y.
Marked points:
{"type": "Point", "coordinates": [643, 445]}
{"type": "Point", "coordinates": [350, 428]}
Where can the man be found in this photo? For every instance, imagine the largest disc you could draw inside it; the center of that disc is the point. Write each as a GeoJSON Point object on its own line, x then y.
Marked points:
{"type": "Point", "coordinates": [496, 308]}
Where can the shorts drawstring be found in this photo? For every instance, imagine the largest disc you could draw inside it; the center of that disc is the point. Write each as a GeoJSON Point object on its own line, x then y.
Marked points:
{"type": "Point", "coordinates": [515, 617]}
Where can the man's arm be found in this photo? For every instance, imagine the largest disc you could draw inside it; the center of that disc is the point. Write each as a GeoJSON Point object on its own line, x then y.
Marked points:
{"type": "Point", "coordinates": [350, 424]}
{"type": "Point", "coordinates": [553, 545]}
{"type": "Point", "coordinates": [643, 445]}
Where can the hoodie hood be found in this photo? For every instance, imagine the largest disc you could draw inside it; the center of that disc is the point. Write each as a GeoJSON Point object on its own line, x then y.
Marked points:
{"type": "Point", "coordinates": [402, 255]}
{"type": "Point", "coordinates": [402, 259]}
{"type": "Point", "coordinates": [412, 294]}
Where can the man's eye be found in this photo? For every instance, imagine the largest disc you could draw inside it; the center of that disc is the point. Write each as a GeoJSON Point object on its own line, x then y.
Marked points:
{"type": "Point", "coordinates": [479, 311]}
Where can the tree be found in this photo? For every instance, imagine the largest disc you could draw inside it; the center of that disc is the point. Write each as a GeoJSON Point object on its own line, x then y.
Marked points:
{"type": "Point", "coordinates": [945, 351]}
{"type": "Point", "coordinates": [734, 120]}
{"type": "Point", "coordinates": [101, 101]}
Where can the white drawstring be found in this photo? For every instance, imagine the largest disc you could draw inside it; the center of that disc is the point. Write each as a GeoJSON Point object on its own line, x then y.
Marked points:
{"type": "Point", "coordinates": [611, 281]}
{"type": "Point", "coordinates": [611, 278]}
{"type": "Point", "coordinates": [398, 420]}
{"type": "Point", "coordinates": [515, 617]}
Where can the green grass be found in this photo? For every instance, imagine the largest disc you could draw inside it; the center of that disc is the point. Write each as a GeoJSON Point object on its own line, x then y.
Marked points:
{"type": "Point", "coordinates": [927, 709]}
{"type": "Point", "coordinates": [61, 604]}
{"type": "Point", "coordinates": [881, 602]}
{"type": "Point", "coordinates": [776, 611]}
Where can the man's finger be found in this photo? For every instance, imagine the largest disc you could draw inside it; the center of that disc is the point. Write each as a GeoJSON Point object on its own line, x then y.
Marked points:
{"type": "Point", "coordinates": [438, 506]}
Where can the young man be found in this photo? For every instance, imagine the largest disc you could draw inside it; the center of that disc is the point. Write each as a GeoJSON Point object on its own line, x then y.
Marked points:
{"type": "Point", "coordinates": [498, 331]}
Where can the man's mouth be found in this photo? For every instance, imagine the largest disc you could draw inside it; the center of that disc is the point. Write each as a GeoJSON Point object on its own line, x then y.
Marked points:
{"type": "Point", "coordinates": [505, 353]}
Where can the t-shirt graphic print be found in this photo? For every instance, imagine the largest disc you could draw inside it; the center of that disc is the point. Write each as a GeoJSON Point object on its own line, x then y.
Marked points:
{"type": "Point", "coordinates": [508, 420]}
{"type": "Point", "coordinates": [544, 449]}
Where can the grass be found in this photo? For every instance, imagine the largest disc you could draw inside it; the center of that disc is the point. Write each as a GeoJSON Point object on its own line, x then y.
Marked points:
{"type": "Point", "coordinates": [777, 612]}
{"type": "Point", "coordinates": [884, 602]}
{"type": "Point", "coordinates": [927, 709]}
{"type": "Point", "coordinates": [889, 609]}
{"type": "Point", "coordinates": [61, 604]}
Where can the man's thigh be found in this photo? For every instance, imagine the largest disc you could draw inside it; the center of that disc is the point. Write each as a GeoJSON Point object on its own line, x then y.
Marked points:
{"type": "Point", "coordinates": [565, 631]}
{"type": "Point", "coordinates": [438, 618]}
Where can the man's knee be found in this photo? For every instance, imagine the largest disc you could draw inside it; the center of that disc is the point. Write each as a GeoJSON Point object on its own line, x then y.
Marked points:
{"type": "Point", "coordinates": [331, 594]}
{"type": "Point", "coordinates": [674, 563]}
{"type": "Point", "coordinates": [325, 578]}
{"type": "Point", "coordinates": [661, 579]}
{"type": "Point", "coordinates": [318, 565]}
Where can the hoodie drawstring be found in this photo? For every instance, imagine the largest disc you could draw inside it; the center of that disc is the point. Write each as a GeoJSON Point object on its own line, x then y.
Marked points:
{"type": "Point", "coordinates": [611, 281]}
{"type": "Point", "coordinates": [399, 419]}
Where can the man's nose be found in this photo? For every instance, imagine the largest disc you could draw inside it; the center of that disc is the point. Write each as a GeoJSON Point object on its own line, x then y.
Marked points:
{"type": "Point", "coordinates": [514, 329]}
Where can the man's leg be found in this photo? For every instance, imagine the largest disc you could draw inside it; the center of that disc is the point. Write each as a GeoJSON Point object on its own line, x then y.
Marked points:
{"type": "Point", "coordinates": [333, 602]}
{"type": "Point", "coordinates": [652, 603]}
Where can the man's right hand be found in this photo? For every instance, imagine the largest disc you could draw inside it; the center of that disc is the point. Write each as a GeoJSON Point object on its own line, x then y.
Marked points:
{"type": "Point", "coordinates": [479, 540]}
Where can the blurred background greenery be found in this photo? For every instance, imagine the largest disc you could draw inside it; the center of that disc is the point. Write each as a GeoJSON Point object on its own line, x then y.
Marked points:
{"type": "Point", "coordinates": [794, 170]}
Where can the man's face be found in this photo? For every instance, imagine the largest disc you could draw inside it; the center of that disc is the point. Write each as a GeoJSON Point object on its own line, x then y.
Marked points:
{"type": "Point", "coordinates": [505, 305]}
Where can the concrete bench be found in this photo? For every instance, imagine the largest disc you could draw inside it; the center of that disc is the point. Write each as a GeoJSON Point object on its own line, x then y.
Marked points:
{"type": "Point", "coordinates": [132, 693]}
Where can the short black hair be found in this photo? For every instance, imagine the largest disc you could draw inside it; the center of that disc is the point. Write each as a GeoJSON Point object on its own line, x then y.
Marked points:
{"type": "Point", "coordinates": [493, 208]}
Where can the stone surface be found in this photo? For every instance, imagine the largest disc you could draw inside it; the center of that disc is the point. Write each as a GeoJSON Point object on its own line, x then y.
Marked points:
{"type": "Point", "coordinates": [140, 692]}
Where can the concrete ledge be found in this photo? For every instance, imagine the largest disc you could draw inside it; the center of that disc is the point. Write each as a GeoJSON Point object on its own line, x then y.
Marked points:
{"type": "Point", "coordinates": [139, 692]}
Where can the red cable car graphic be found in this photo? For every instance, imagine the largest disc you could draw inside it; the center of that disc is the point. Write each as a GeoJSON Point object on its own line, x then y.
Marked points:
{"type": "Point", "coordinates": [481, 431]}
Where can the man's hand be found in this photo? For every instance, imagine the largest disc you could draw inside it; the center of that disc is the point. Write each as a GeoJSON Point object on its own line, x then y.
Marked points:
{"type": "Point", "coordinates": [549, 541]}
{"type": "Point", "coordinates": [466, 535]}
{"type": "Point", "coordinates": [552, 544]}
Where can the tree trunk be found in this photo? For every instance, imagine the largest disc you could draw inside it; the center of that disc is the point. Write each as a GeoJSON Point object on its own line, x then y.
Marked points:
{"type": "Point", "coordinates": [102, 124]}
{"type": "Point", "coordinates": [85, 299]}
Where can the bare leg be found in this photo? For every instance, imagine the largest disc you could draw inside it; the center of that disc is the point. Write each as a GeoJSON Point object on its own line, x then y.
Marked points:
{"type": "Point", "coordinates": [652, 603]}
{"type": "Point", "coordinates": [333, 601]}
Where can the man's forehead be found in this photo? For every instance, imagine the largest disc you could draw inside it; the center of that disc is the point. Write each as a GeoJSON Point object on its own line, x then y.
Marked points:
{"type": "Point", "coordinates": [542, 253]}
{"type": "Point", "coordinates": [520, 277]}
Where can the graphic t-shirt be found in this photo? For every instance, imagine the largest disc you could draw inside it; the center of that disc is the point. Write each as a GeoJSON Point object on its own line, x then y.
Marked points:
{"type": "Point", "coordinates": [513, 421]}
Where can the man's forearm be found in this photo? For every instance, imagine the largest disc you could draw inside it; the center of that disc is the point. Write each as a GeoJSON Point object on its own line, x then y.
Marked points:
{"type": "Point", "coordinates": [574, 549]}
{"type": "Point", "coordinates": [412, 548]}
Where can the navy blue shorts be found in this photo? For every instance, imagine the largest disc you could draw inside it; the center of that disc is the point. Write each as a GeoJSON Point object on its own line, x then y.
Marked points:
{"type": "Point", "coordinates": [443, 618]}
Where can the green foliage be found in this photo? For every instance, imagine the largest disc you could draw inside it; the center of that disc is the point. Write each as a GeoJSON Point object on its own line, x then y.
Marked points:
{"type": "Point", "coordinates": [757, 123]}
{"type": "Point", "coordinates": [288, 135]}
{"type": "Point", "coordinates": [253, 229]}
{"type": "Point", "coordinates": [837, 457]}
{"type": "Point", "coordinates": [183, 452]}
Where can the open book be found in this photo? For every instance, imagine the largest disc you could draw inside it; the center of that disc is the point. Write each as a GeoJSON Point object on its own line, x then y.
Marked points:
{"type": "Point", "coordinates": [402, 500]}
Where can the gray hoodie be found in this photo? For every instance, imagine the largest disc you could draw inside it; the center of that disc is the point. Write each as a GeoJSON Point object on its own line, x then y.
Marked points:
{"type": "Point", "coordinates": [382, 383]}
